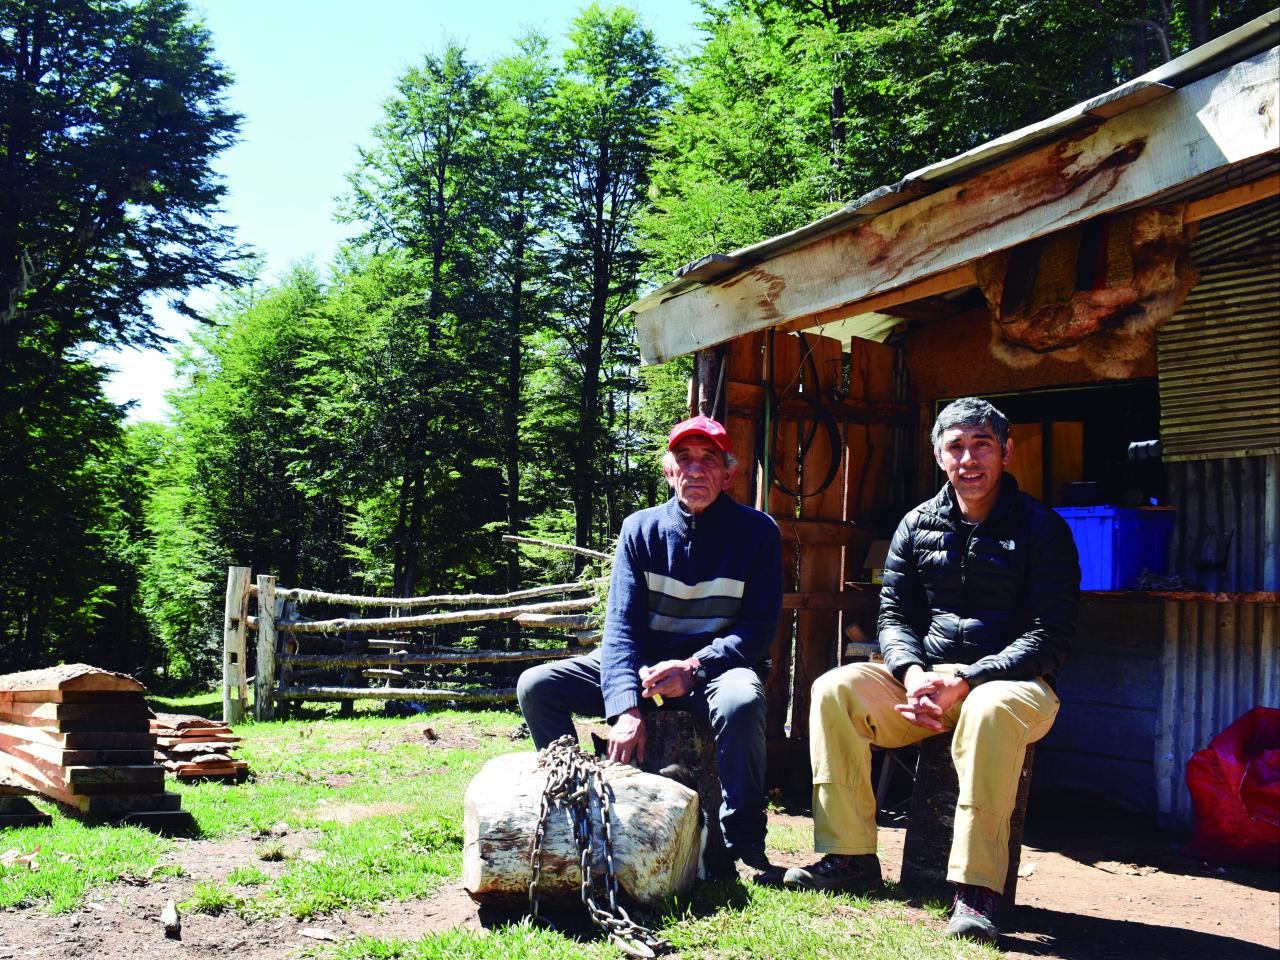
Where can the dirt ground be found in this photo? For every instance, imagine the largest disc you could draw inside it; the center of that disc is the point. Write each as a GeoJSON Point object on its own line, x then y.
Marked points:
{"type": "Point", "coordinates": [1095, 884]}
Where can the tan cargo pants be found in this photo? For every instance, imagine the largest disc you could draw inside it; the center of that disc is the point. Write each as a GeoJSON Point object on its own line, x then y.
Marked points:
{"type": "Point", "coordinates": [852, 710]}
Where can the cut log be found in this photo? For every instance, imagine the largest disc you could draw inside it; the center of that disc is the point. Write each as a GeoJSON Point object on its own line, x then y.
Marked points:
{"type": "Point", "coordinates": [70, 676]}
{"type": "Point", "coordinates": [655, 825]}
{"type": "Point", "coordinates": [684, 746]}
{"type": "Point", "coordinates": [555, 621]}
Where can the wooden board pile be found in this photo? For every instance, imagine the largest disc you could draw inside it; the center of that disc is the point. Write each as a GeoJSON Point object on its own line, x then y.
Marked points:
{"type": "Point", "coordinates": [15, 809]}
{"type": "Point", "coordinates": [81, 736]}
{"type": "Point", "coordinates": [194, 747]}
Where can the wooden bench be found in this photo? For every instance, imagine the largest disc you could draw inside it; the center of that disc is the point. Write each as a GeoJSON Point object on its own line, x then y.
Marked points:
{"type": "Point", "coordinates": [932, 819]}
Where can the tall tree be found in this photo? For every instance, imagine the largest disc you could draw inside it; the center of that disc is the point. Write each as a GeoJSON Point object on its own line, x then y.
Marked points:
{"type": "Point", "coordinates": [521, 169]}
{"type": "Point", "coordinates": [111, 114]}
{"type": "Point", "coordinates": [419, 189]}
{"type": "Point", "coordinates": [607, 108]}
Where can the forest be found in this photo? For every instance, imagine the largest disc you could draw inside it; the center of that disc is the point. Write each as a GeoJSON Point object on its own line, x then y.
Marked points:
{"type": "Point", "coordinates": [465, 369]}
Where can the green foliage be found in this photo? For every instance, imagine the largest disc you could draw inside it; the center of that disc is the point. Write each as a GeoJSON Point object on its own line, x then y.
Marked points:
{"type": "Point", "coordinates": [466, 369]}
{"type": "Point", "coordinates": [72, 857]}
{"type": "Point", "coordinates": [111, 114]}
{"type": "Point", "coordinates": [212, 898]}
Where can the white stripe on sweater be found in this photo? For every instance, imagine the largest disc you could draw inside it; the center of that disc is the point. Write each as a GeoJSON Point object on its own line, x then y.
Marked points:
{"type": "Point", "coordinates": [719, 587]}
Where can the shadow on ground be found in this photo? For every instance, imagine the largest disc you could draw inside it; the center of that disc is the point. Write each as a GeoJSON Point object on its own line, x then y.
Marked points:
{"type": "Point", "coordinates": [1050, 933]}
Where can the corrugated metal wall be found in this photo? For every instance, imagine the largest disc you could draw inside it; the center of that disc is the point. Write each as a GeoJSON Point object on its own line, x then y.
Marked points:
{"type": "Point", "coordinates": [1228, 510]}
{"type": "Point", "coordinates": [1219, 355]}
{"type": "Point", "coordinates": [1218, 661]}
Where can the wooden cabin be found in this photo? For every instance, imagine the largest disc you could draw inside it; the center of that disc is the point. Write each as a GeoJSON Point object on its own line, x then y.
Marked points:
{"type": "Point", "coordinates": [1107, 277]}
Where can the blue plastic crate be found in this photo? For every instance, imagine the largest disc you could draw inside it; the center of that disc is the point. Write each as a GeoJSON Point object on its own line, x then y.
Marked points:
{"type": "Point", "coordinates": [1117, 543]}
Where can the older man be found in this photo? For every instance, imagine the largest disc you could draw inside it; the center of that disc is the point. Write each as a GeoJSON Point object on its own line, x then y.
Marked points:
{"type": "Point", "coordinates": [977, 613]}
{"type": "Point", "coordinates": [693, 605]}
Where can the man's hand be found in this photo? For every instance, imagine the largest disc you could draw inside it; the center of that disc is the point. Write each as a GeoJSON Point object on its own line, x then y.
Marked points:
{"type": "Point", "coordinates": [929, 696]}
{"type": "Point", "coordinates": [670, 678]}
{"type": "Point", "coordinates": [627, 737]}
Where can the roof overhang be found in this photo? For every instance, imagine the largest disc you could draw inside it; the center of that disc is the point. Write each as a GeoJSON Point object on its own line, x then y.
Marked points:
{"type": "Point", "coordinates": [1209, 112]}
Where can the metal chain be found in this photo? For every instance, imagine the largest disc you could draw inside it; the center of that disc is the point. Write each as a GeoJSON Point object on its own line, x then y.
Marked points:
{"type": "Point", "coordinates": [573, 777]}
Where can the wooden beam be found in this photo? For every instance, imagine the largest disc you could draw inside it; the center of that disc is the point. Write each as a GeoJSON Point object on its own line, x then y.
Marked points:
{"type": "Point", "coordinates": [263, 704]}
{"type": "Point", "coordinates": [1201, 129]}
{"type": "Point", "coordinates": [820, 533]}
{"type": "Point", "coordinates": [333, 661]}
{"type": "Point", "coordinates": [932, 286]}
{"type": "Point", "coordinates": [500, 695]}
{"type": "Point", "coordinates": [1232, 199]}
{"type": "Point", "coordinates": [234, 677]}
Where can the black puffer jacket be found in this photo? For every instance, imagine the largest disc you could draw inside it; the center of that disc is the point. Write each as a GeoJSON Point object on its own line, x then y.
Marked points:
{"type": "Point", "coordinates": [1000, 597]}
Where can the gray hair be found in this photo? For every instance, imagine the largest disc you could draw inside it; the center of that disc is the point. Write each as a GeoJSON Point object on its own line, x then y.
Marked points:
{"type": "Point", "coordinates": [970, 412]}
{"type": "Point", "coordinates": [669, 460]}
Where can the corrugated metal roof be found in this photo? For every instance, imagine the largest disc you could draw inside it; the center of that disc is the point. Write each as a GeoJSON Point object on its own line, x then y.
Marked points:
{"type": "Point", "coordinates": [1244, 41]}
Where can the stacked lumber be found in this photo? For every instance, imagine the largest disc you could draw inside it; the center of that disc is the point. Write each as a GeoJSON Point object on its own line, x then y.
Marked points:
{"type": "Point", "coordinates": [15, 809]}
{"type": "Point", "coordinates": [195, 747]}
{"type": "Point", "coordinates": [81, 736]}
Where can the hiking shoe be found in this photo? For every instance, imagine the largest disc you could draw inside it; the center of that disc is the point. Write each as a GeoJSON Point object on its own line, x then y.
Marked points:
{"type": "Point", "coordinates": [838, 872]}
{"type": "Point", "coordinates": [974, 913]}
{"type": "Point", "coordinates": [755, 867]}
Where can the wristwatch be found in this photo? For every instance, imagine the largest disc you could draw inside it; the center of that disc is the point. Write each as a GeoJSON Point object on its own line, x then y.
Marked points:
{"type": "Point", "coordinates": [699, 671]}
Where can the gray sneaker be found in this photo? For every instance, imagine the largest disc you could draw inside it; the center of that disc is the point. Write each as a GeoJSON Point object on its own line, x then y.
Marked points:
{"type": "Point", "coordinates": [974, 913]}
{"type": "Point", "coordinates": [757, 868]}
{"type": "Point", "coordinates": [838, 873]}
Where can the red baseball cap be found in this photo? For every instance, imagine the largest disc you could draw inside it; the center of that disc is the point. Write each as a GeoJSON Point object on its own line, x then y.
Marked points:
{"type": "Point", "coordinates": [700, 426]}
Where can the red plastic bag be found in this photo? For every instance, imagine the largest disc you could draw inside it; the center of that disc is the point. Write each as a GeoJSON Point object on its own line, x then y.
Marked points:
{"type": "Point", "coordinates": [1235, 792]}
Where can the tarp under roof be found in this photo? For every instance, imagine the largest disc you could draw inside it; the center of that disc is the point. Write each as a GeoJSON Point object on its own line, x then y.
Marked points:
{"type": "Point", "coordinates": [1245, 41]}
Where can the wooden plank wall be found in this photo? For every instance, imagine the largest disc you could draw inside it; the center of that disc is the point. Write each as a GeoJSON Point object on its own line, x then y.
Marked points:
{"type": "Point", "coordinates": [808, 640]}
{"type": "Point", "coordinates": [1103, 741]}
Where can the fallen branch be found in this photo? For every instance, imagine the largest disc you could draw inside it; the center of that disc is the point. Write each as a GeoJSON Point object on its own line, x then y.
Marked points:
{"type": "Point", "coordinates": [442, 600]}
{"type": "Point", "coordinates": [532, 542]}
{"type": "Point", "coordinates": [394, 660]}
{"type": "Point", "coordinates": [394, 693]}
{"type": "Point", "coordinates": [343, 624]}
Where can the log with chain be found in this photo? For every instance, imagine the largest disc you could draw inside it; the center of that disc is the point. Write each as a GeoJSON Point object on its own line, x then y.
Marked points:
{"type": "Point", "coordinates": [572, 777]}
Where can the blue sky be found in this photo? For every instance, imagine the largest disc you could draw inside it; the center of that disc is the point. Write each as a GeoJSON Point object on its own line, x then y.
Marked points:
{"type": "Point", "coordinates": [310, 76]}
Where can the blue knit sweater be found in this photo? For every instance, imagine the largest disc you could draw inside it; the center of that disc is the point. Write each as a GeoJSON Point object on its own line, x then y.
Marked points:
{"type": "Point", "coordinates": [708, 586]}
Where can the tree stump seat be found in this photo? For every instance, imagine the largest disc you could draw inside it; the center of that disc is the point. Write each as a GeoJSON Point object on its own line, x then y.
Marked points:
{"type": "Point", "coordinates": [682, 746]}
{"type": "Point", "coordinates": [932, 818]}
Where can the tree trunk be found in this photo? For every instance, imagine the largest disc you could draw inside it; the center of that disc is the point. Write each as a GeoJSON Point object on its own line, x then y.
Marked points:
{"type": "Point", "coordinates": [654, 822]}
{"type": "Point", "coordinates": [511, 413]}
{"type": "Point", "coordinates": [1198, 21]}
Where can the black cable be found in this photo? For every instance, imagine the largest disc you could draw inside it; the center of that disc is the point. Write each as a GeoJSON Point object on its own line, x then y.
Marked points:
{"type": "Point", "coordinates": [822, 416]}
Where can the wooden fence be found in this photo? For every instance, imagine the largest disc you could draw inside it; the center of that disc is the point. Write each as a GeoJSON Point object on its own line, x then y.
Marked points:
{"type": "Point", "coordinates": [341, 645]}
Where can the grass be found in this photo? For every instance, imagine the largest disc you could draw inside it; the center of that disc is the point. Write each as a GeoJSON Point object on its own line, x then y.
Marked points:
{"type": "Point", "coordinates": [359, 812]}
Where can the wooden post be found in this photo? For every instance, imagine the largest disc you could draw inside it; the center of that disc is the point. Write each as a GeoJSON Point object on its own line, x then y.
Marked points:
{"type": "Point", "coordinates": [233, 652]}
{"type": "Point", "coordinates": [263, 703]}
{"type": "Point", "coordinates": [818, 631]}
{"type": "Point", "coordinates": [782, 363]}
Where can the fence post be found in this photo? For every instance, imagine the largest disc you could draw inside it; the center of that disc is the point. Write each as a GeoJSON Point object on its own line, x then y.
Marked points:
{"type": "Point", "coordinates": [233, 648]}
{"type": "Point", "coordinates": [265, 684]}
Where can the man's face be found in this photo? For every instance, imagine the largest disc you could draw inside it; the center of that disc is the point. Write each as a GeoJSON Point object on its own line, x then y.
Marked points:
{"type": "Point", "coordinates": [973, 460]}
{"type": "Point", "coordinates": [699, 473]}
